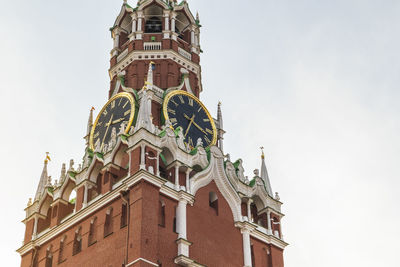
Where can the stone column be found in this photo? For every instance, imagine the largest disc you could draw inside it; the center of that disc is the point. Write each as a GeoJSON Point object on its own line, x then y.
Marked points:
{"type": "Point", "coordinates": [174, 34]}
{"type": "Point", "coordinates": [116, 34]}
{"type": "Point", "coordinates": [246, 247]}
{"type": "Point", "coordinates": [85, 196]}
{"type": "Point", "coordinates": [269, 222]}
{"type": "Point", "coordinates": [142, 157]}
{"type": "Point", "coordinates": [183, 244]}
{"type": "Point", "coordinates": [34, 234]}
{"type": "Point", "coordinates": [177, 186]}
{"type": "Point", "coordinates": [132, 35]}
{"type": "Point", "coordinates": [188, 180]}
{"type": "Point", "coordinates": [249, 210]}
{"type": "Point", "coordinates": [139, 33]}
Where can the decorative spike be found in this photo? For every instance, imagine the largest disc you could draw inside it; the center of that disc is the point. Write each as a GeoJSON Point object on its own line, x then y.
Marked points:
{"type": "Point", "coordinates": [220, 130]}
{"type": "Point", "coordinates": [29, 202]}
{"type": "Point", "coordinates": [264, 174]}
{"type": "Point", "coordinates": [63, 173]}
{"type": "Point", "coordinates": [89, 126]}
{"type": "Point", "coordinates": [197, 17]}
{"type": "Point", "coordinates": [43, 178]}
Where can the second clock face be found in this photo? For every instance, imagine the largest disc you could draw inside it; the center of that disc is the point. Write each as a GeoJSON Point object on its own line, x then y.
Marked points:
{"type": "Point", "coordinates": [120, 109]}
{"type": "Point", "coordinates": [186, 111]}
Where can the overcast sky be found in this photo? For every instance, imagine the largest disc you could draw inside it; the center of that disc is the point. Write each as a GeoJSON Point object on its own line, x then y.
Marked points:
{"type": "Point", "coordinates": [315, 82]}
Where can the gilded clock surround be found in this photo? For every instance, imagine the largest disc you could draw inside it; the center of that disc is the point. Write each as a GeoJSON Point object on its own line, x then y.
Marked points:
{"type": "Point", "coordinates": [130, 98]}
{"type": "Point", "coordinates": [181, 92]}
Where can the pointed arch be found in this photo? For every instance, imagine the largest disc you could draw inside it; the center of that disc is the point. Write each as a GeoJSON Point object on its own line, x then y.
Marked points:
{"type": "Point", "coordinates": [215, 171]}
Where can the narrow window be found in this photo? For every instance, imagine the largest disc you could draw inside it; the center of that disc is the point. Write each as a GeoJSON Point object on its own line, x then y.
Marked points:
{"type": "Point", "coordinates": [49, 257]}
{"type": "Point", "coordinates": [108, 223]}
{"type": "Point", "coordinates": [61, 250]}
{"type": "Point", "coordinates": [92, 232]}
{"type": "Point", "coordinates": [124, 213]}
{"type": "Point", "coordinates": [174, 223]}
{"type": "Point", "coordinates": [77, 246]}
{"type": "Point", "coordinates": [253, 264]}
{"type": "Point", "coordinates": [161, 216]}
{"type": "Point", "coordinates": [213, 201]}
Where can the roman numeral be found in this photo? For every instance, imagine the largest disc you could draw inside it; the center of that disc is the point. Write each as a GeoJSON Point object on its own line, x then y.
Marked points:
{"type": "Point", "coordinates": [105, 112]}
{"type": "Point", "coordinates": [173, 120]}
{"type": "Point", "coordinates": [181, 99]}
{"type": "Point", "coordinates": [176, 104]}
{"type": "Point", "coordinates": [171, 111]}
{"type": "Point", "coordinates": [207, 140]}
{"type": "Point", "coordinates": [127, 102]}
{"type": "Point", "coordinates": [96, 135]}
{"type": "Point", "coordinates": [206, 120]}
{"type": "Point", "coordinates": [209, 131]}
{"type": "Point", "coordinates": [191, 102]}
{"type": "Point", "coordinates": [113, 104]}
{"type": "Point", "coordinates": [100, 123]}
{"type": "Point", "coordinates": [199, 109]}
{"type": "Point", "coordinates": [119, 103]}
{"type": "Point", "coordinates": [127, 112]}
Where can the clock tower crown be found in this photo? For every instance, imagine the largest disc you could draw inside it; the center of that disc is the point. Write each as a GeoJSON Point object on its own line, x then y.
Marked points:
{"type": "Point", "coordinates": [163, 32]}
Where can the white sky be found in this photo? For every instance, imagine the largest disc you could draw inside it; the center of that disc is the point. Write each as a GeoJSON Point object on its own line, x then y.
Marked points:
{"type": "Point", "coordinates": [313, 81]}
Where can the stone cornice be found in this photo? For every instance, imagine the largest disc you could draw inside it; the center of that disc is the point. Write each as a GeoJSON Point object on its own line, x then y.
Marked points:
{"type": "Point", "coordinates": [152, 55]}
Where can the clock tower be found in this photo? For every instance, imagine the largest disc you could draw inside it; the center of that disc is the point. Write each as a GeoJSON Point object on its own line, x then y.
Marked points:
{"type": "Point", "coordinates": [155, 186]}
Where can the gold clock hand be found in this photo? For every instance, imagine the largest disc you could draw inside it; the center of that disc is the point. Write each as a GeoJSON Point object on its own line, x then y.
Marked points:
{"type": "Point", "coordinates": [201, 129]}
{"type": "Point", "coordinates": [104, 137]}
{"type": "Point", "coordinates": [190, 124]}
{"type": "Point", "coordinates": [119, 120]}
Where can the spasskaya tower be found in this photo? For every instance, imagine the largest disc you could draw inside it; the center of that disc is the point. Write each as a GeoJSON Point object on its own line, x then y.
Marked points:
{"type": "Point", "coordinates": [154, 187]}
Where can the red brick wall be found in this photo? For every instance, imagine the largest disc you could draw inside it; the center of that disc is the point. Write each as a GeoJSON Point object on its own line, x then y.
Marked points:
{"type": "Point", "coordinates": [214, 236]}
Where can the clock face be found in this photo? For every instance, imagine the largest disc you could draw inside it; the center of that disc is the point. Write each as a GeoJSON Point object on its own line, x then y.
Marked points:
{"type": "Point", "coordinates": [185, 110]}
{"type": "Point", "coordinates": [119, 110]}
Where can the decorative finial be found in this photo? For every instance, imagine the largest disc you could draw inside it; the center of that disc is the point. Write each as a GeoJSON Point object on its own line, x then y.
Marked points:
{"type": "Point", "coordinates": [262, 152]}
{"type": "Point", "coordinates": [197, 16]}
{"type": "Point", "coordinates": [47, 158]}
{"type": "Point", "coordinates": [277, 197]}
{"type": "Point", "coordinates": [256, 172]}
{"type": "Point", "coordinates": [29, 202]}
{"type": "Point", "coordinates": [219, 103]}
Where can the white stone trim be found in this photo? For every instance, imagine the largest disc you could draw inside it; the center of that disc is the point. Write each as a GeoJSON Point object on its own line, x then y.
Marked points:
{"type": "Point", "coordinates": [141, 259]}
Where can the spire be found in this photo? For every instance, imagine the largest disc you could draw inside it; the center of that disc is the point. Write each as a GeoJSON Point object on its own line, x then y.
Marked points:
{"type": "Point", "coordinates": [43, 179]}
{"type": "Point", "coordinates": [264, 174]}
{"type": "Point", "coordinates": [63, 174]}
{"type": "Point", "coordinates": [89, 126]}
{"type": "Point", "coordinates": [197, 17]}
{"type": "Point", "coordinates": [220, 129]}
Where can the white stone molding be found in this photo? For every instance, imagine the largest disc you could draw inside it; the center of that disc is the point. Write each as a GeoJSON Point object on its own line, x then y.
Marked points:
{"type": "Point", "coordinates": [215, 171]}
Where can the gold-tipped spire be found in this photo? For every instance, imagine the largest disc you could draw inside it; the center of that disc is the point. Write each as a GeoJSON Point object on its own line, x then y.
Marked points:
{"type": "Point", "coordinates": [262, 152]}
{"type": "Point", "coordinates": [47, 158]}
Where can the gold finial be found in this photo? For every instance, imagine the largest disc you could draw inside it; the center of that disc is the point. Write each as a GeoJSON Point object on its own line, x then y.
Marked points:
{"type": "Point", "coordinates": [219, 103]}
{"type": "Point", "coordinates": [29, 202]}
{"type": "Point", "coordinates": [47, 158]}
{"type": "Point", "coordinates": [262, 152]}
{"type": "Point", "coordinates": [92, 109]}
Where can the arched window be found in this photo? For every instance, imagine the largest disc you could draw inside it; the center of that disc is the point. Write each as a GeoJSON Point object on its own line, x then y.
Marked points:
{"type": "Point", "coordinates": [77, 246]}
{"type": "Point", "coordinates": [92, 232]}
{"type": "Point", "coordinates": [124, 215]}
{"type": "Point", "coordinates": [49, 257]}
{"type": "Point", "coordinates": [161, 215]}
{"type": "Point", "coordinates": [254, 213]}
{"type": "Point", "coordinates": [108, 224]}
{"type": "Point", "coordinates": [213, 201]}
{"type": "Point", "coordinates": [61, 250]}
{"type": "Point", "coordinates": [153, 25]}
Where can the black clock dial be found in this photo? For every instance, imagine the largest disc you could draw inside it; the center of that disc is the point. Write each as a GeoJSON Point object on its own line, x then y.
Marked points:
{"type": "Point", "coordinates": [118, 110]}
{"type": "Point", "coordinates": [186, 111]}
